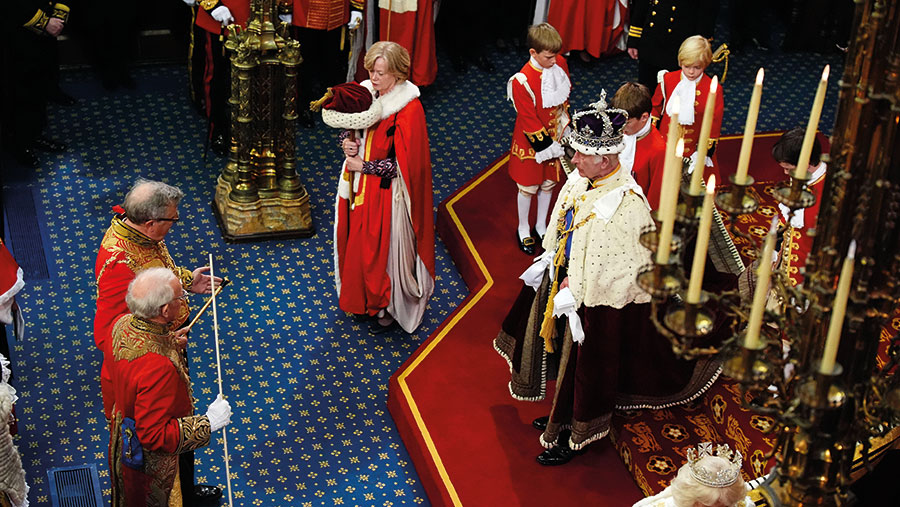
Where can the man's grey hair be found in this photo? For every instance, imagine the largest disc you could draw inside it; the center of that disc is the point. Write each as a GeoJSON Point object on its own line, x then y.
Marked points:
{"type": "Point", "coordinates": [149, 200]}
{"type": "Point", "coordinates": [157, 292]}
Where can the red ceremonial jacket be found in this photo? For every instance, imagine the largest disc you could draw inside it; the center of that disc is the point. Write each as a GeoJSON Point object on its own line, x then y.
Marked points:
{"type": "Point", "coordinates": [691, 132]}
{"type": "Point", "coordinates": [649, 159]}
{"type": "Point", "coordinates": [798, 242]}
{"type": "Point", "coordinates": [240, 9]}
{"type": "Point", "coordinates": [152, 386]}
{"type": "Point", "coordinates": [535, 129]}
{"type": "Point", "coordinates": [324, 14]}
{"type": "Point", "coordinates": [410, 23]}
{"type": "Point", "coordinates": [123, 252]}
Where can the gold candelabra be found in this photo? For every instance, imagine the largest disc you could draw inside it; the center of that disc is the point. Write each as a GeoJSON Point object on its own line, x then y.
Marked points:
{"type": "Point", "coordinates": [258, 193]}
{"type": "Point", "coordinates": [829, 421]}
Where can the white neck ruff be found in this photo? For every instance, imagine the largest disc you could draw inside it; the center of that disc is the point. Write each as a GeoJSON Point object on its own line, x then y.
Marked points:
{"type": "Point", "coordinates": [396, 99]}
{"type": "Point", "coordinates": [555, 85]}
{"type": "Point", "coordinates": [626, 158]}
{"type": "Point", "coordinates": [686, 91]}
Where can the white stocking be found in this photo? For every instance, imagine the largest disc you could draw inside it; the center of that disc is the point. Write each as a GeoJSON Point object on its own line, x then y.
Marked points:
{"type": "Point", "coordinates": [524, 203]}
{"type": "Point", "coordinates": [543, 206]}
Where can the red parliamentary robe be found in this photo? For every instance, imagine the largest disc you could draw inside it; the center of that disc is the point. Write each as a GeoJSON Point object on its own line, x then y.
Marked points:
{"type": "Point", "coordinates": [595, 26]}
{"type": "Point", "coordinates": [240, 10]}
{"type": "Point", "coordinates": [123, 252]}
{"type": "Point", "coordinates": [364, 235]}
{"type": "Point", "coordinates": [691, 132]}
{"type": "Point", "coordinates": [536, 125]}
{"type": "Point", "coordinates": [797, 241]}
{"type": "Point", "coordinates": [410, 23]}
{"type": "Point", "coordinates": [152, 386]}
{"type": "Point", "coordinates": [649, 159]}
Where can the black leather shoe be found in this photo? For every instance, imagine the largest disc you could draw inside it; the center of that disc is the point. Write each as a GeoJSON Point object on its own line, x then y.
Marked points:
{"type": "Point", "coordinates": [559, 455]}
{"type": "Point", "coordinates": [62, 98]}
{"type": "Point", "coordinates": [27, 158]}
{"type": "Point", "coordinates": [525, 244]}
{"type": "Point", "coordinates": [219, 145]}
{"type": "Point", "coordinates": [541, 422]}
{"type": "Point", "coordinates": [537, 237]}
{"type": "Point", "coordinates": [362, 317]}
{"type": "Point", "coordinates": [204, 493]}
{"type": "Point", "coordinates": [49, 145]}
{"type": "Point", "coordinates": [484, 64]}
{"type": "Point", "coordinates": [376, 328]}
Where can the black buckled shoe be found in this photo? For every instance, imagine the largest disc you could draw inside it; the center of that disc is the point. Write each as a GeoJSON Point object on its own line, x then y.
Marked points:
{"type": "Point", "coordinates": [205, 494]}
{"type": "Point", "coordinates": [526, 244]}
{"type": "Point", "coordinates": [541, 422]}
{"type": "Point", "coordinates": [49, 145]}
{"type": "Point", "coordinates": [559, 455]}
{"type": "Point", "coordinates": [376, 328]}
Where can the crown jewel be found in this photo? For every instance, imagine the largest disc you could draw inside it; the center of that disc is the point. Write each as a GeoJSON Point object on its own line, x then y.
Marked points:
{"type": "Point", "coordinates": [597, 130]}
{"type": "Point", "coordinates": [722, 478]}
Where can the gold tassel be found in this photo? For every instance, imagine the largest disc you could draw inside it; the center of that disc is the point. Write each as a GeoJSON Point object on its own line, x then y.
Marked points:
{"type": "Point", "coordinates": [316, 105]}
{"type": "Point", "coordinates": [548, 326]}
{"type": "Point", "coordinates": [722, 54]}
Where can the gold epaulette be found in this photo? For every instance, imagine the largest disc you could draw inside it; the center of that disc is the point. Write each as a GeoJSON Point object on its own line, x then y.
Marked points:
{"type": "Point", "coordinates": [357, 4]}
{"type": "Point", "coordinates": [635, 31]}
{"type": "Point", "coordinates": [209, 5]}
{"type": "Point", "coordinates": [61, 12]}
{"type": "Point", "coordinates": [38, 22]}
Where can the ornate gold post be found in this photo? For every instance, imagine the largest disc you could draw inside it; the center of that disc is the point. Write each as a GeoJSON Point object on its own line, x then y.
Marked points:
{"type": "Point", "coordinates": [259, 194]}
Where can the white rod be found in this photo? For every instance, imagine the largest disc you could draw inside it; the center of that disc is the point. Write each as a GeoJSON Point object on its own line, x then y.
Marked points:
{"type": "Point", "coordinates": [212, 282]}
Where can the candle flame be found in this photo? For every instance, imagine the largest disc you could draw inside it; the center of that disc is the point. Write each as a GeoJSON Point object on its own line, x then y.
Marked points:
{"type": "Point", "coordinates": [759, 76]}
{"type": "Point", "coordinates": [825, 72]}
{"type": "Point", "coordinates": [676, 105]}
{"type": "Point", "coordinates": [679, 148]}
{"type": "Point", "coordinates": [851, 250]}
{"type": "Point", "coordinates": [714, 84]}
{"type": "Point", "coordinates": [711, 185]}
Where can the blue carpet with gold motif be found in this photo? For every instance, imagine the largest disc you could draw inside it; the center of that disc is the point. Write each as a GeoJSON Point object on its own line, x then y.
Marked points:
{"type": "Point", "coordinates": [307, 384]}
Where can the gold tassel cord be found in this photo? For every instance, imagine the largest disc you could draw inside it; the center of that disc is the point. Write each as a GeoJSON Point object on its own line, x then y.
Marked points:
{"type": "Point", "coordinates": [316, 105]}
{"type": "Point", "coordinates": [720, 54]}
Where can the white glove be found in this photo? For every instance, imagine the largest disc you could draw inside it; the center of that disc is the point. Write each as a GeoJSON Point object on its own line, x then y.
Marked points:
{"type": "Point", "coordinates": [190, 3]}
{"type": "Point", "coordinates": [548, 153]}
{"type": "Point", "coordinates": [355, 19]}
{"type": "Point", "coordinates": [218, 413]}
{"type": "Point", "coordinates": [286, 18]}
{"type": "Point", "coordinates": [222, 15]}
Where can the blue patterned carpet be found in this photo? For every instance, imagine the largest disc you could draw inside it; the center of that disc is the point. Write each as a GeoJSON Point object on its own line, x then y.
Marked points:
{"type": "Point", "coordinates": [308, 385]}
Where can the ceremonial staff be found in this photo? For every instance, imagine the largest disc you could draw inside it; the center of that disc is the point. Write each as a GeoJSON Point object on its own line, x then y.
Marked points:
{"type": "Point", "coordinates": [212, 277]}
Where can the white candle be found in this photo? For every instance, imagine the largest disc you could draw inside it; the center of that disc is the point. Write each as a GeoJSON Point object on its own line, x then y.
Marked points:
{"type": "Point", "coordinates": [705, 129]}
{"type": "Point", "coordinates": [838, 310]}
{"type": "Point", "coordinates": [671, 181]}
{"type": "Point", "coordinates": [699, 265]}
{"type": "Point", "coordinates": [763, 272]}
{"type": "Point", "coordinates": [749, 130]}
{"type": "Point", "coordinates": [813, 125]}
{"type": "Point", "coordinates": [671, 142]}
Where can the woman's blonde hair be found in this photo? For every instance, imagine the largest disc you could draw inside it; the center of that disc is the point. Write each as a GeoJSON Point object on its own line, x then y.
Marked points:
{"type": "Point", "coordinates": [695, 49]}
{"type": "Point", "coordinates": [544, 37]}
{"type": "Point", "coordinates": [395, 56]}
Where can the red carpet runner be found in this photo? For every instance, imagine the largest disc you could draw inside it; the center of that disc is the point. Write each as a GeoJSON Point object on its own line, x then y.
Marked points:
{"type": "Point", "coordinates": [471, 443]}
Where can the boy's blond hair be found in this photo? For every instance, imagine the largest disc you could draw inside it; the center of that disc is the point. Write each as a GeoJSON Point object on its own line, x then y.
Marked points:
{"type": "Point", "coordinates": [695, 50]}
{"type": "Point", "coordinates": [544, 37]}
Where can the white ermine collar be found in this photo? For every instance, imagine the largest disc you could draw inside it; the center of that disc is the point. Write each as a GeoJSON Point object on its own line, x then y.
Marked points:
{"type": "Point", "coordinates": [395, 100]}
{"type": "Point", "coordinates": [555, 84]}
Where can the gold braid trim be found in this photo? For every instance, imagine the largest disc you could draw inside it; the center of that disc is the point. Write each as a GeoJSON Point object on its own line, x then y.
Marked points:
{"type": "Point", "coordinates": [357, 5]}
{"type": "Point", "coordinates": [209, 5]}
{"type": "Point", "coordinates": [193, 433]}
{"type": "Point", "coordinates": [134, 337]}
{"type": "Point", "coordinates": [61, 12]}
{"type": "Point", "coordinates": [539, 135]}
{"type": "Point", "coordinates": [38, 22]}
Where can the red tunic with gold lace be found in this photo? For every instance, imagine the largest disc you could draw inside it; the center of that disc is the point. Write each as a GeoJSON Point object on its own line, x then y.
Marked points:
{"type": "Point", "coordinates": [798, 242]}
{"type": "Point", "coordinates": [649, 159]}
{"type": "Point", "coordinates": [240, 10]}
{"type": "Point", "coordinates": [152, 387]}
{"type": "Point", "coordinates": [691, 132]}
{"type": "Point", "coordinates": [123, 252]}
{"type": "Point", "coordinates": [324, 14]}
{"type": "Point", "coordinates": [535, 129]}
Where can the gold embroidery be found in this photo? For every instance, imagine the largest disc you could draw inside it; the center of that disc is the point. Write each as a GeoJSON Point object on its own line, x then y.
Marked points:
{"type": "Point", "coordinates": [194, 432]}
{"type": "Point", "coordinates": [540, 135]}
{"type": "Point", "coordinates": [643, 437]}
{"type": "Point", "coordinates": [134, 337]}
{"type": "Point", "coordinates": [209, 5]}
